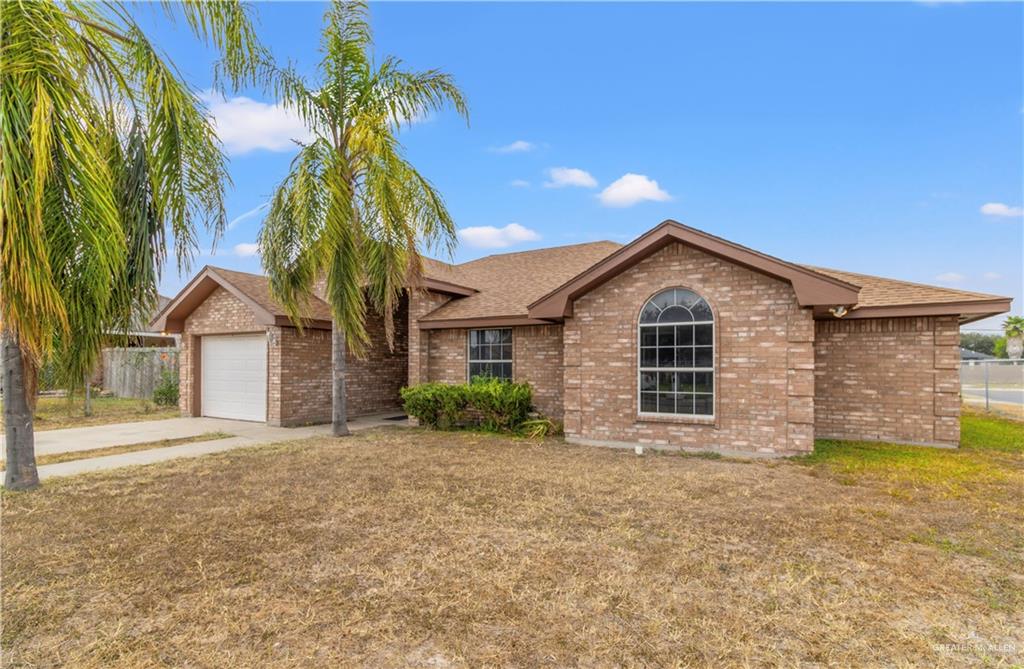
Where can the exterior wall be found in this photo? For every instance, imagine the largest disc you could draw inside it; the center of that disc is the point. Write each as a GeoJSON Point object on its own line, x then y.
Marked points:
{"type": "Point", "coordinates": [446, 360]}
{"type": "Point", "coordinates": [893, 379]}
{"type": "Point", "coordinates": [537, 360]}
{"type": "Point", "coordinates": [374, 381]}
{"type": "Point", "coordinates": [764, 359]}
{"type": "Point", "coordinates": [420, 303]}
{"type": "Point", "coordinates": [299, 377]}
{"type": "Point", "coordinates": [220, 313]}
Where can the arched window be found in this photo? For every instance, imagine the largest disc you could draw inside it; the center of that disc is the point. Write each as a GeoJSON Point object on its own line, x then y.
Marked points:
{"type": "Point", "coordinates": [677, 355]}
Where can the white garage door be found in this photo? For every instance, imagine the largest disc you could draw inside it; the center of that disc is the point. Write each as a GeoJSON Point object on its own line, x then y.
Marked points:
{"type": "Point", "coordinates": [234, 376]}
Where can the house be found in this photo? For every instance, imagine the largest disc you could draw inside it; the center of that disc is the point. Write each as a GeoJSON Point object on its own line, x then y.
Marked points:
{"type": "Point", "coordinates": [678, 339]}
{"type": "Point", "coordinates": [967, 354]}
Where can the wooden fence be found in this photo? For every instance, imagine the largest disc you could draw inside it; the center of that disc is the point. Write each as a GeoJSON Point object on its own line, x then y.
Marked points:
{"type": "Point", "coordinates": [135, 372]}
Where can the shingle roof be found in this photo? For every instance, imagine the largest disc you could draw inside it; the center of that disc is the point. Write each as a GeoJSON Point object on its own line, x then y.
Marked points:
{"type": "Point", "coordinates": [509, 282]}
{"type": "Point", "coordinates": [257, 288]}
{"type": "Point", "coordinates": [877, 291]}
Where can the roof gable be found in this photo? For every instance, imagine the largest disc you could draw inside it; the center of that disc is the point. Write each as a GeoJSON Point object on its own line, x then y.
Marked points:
{"type": "Point", "coordinates": [252, 290]}
{"type": "Point", "coordinates": [811, 288]}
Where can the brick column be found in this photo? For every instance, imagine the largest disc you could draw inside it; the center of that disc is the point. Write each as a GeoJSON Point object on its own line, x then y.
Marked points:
{"type": "Point", "coordinates": [274, 378]}
{"type": "Point", "coordinates": [947, 381]}
{"type": "Point", "coordinates": [421, 303]}
{"type": "Point", "coordinates": [800, 381]}
{"type": "Point", "coordinates": [572, 355]}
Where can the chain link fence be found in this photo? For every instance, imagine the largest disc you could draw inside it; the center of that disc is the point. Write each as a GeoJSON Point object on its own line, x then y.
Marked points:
{"type": "Point", "coordinates": [993, 385]}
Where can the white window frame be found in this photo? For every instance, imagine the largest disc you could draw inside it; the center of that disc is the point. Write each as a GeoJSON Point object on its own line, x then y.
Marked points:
{"type": "Point", "coordinates": [640, 369]}
{"type": "Point", "coordinates": [469, 351]}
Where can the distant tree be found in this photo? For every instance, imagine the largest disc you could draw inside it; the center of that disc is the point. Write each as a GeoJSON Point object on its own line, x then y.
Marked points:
{"type": "Point", "coordinates": [979, 342]}
{"type": "Point", "coordinates": [999, 350]}
{"type": "Point", "coordinates": [1014, 329]}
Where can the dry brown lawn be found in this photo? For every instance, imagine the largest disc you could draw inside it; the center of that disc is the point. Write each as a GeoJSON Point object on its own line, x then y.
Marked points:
{"type": "Point", "coordinates": [55, 413]}
{"type": "Point", "coordinates": [411, 548]}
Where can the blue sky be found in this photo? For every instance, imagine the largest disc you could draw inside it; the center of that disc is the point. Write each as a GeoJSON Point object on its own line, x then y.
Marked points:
{"type": "Point", "coordinates": [878, 138]}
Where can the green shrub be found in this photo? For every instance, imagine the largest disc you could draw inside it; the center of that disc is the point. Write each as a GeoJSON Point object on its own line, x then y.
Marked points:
{"type": "Point", "coordinates": [491, 404]}
{"type": "Point", "coordinates": [166, 392]}
{"type": "Point", "coordinates": [437, 405]}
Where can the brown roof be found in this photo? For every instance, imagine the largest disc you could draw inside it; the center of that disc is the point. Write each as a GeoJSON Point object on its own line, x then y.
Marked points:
{"type": "Point", "coordinates": [509, 282]}
{"type": "Point", "coordinates": [257, 288]}
{"type": "Point", "coordinates": [877, 291]}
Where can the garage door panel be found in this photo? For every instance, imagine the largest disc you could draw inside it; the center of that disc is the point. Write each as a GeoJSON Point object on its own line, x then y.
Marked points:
{"type": "Point", "coordinates": [234, 377]}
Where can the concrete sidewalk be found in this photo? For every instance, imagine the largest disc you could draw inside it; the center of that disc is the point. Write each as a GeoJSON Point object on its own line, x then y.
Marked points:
{"type": "Point", "coordinates": [122, 434]}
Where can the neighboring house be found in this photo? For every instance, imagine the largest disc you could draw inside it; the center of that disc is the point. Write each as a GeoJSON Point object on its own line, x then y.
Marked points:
{"type": "Point", "coordinates": [968, 354]}
{"type": "Point", "coordinates": [142, 335]}
{"type": "Point", "coordinates": [679, 339]}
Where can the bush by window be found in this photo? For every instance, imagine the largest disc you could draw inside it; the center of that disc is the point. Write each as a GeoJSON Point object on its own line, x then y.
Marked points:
{"type": "Point", "coordinates": [491, 404]}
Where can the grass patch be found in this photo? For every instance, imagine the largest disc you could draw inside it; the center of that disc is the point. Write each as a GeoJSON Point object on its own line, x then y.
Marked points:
{"type": "Point", "coordinates": [55, 458]}
{"type": "Point", "coordinates": [55, 413]}
{"type": "Point", "coordinates": [419, 548]}
{"type": "Point", "coordinates": [990, 460]}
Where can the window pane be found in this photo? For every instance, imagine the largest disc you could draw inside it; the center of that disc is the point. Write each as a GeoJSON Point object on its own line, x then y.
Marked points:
{"type": "Point", "coordinates": [648, 381]}
{"type": "Point", "coordinates": [506, 351]}
{"type": "Point", "coordinates": [506, 370]}
{"type": "Point", "coordinates": [703, 334]}
{"type": "Point", "coordinates": [666, 357]}
{"type": "Point", "coordinates": [704, 405]}
{"type": "Point", "coordinates": [474, 370]}
{"type": "Point", "coordinates": [666, 403]}
{"type": "Point", "coordinates": [474, 337]}
{"type": "Point", "coordinates": [664, 299]}
{"type": "Point", "coordinates": [703, 382]}
{"type": "Point", "coordinates": [675, 315]}
{"type": "Point", "coordinates": [506, 336]}
{"type": "Point", "coordinates": [684, 356]}
{"type": "Point", "coordinates": [684, 403]}
{"type": "Point", "coordinates": [666, 336]}
{"type": "Point", "coordinates": [650, 313]}
{"type": "Point", "coordinates": [648, 336]}
{"type": "Point", "coordinates": [649, 402]}
{"type": "Point", "coordinates": [684, 334]}
{"type": "Point", "coordinates": [702, 356]}
{"type": "Point", "coordinates": [686, 297]}
{"type": "Point", "coordinates": [666, 382]}
{"type": "Point", "coordinates": [492, 336]}
{"type": "Point", "coordinates": [701, 311]}
{"type": "Point", "coordinates": [648, 357]}
{"type": "Point", "coordinates": [684, 382]}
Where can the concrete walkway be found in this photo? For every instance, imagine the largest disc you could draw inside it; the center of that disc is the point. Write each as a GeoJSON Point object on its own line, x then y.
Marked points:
{"type": "Point", "coordinates": [122, 434]}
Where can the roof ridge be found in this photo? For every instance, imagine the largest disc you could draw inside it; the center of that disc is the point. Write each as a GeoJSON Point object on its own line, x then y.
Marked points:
{"type": "Point", "coordinates": [545, 248]}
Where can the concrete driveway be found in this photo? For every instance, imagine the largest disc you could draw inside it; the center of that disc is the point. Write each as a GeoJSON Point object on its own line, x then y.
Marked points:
{"type": "Point", "coordinates": [242, 433]}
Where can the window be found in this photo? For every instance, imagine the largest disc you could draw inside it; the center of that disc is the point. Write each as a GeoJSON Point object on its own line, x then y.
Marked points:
{"type": "Point", "coordinates": [490, 353]}
{"type": "Point", "coordinates": [677, 355]}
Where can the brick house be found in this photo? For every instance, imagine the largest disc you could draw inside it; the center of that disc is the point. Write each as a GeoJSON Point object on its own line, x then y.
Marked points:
{"type": "Point", "coordinates": [678, 339]}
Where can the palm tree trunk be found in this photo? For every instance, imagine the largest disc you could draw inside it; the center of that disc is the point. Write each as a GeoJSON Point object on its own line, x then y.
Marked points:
{"type": "Point", "coordinates": [339, 410]}
{"type": "Point", "coordinates": [20, 471]}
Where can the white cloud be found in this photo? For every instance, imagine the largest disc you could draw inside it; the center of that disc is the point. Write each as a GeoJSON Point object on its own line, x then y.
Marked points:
{"type": "Point", "coordinates": [247, 215]}
{"type": "Point", "coordinates": [950, 277]}
{"type": "Point", "coordinates": [992, 276]}
{"type": "Point", "coordinates": [629, 189]}
{"type": "Point", "coordinates": [246, 250]}
{"type": "Point", "coordinates": [560, 177]}
{"type": "Point", "coordinates": [1000, 209]}
{"type": "Point", "coordinates": [245, 125]}
{"type": "Point", "coordinates": [490, 237]}
{"type": "Point", "coordinates": [518, 146]}
{"type": "Point", "coordinates": [519, 183]}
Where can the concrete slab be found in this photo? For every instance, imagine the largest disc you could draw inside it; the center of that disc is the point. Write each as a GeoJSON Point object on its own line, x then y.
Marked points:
{"type": "Point", "coordinates": [122, 434]}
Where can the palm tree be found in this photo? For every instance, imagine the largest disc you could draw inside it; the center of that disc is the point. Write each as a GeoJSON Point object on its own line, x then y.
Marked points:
{"type": "Point", "coordinates": [352, 211]}
{"type": "Point", "coordinates": [1013, 326]}
{"type": "Point", "coordinates": [104, 149]}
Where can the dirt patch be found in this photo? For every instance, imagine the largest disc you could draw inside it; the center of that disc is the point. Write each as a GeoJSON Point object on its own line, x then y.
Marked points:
{"type": "Point", "coordinates": [413, 548]}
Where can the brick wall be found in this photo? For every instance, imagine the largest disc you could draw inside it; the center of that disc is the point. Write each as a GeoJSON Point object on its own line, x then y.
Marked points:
{"type": "Point", "coordinates": [420, 303]}
{"type": "Point", "coordinates": [894, 379]}
{"type": "Point", "coordinates": [764, 360]}
{"type": "Point", "coordinates": [446, 359]}
{"type": "Point", "coordinates": [299, 377]}
{"type": "Point", "coordinates": [220, 313]}
{"type": "Point", "coordinates": [537, 360]}
{"type": "Point", "coordinates": [374, 381]}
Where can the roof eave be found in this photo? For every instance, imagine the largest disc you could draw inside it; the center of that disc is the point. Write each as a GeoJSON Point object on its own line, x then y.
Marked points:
{"type": "Point", "coordinates": [967, 311]}
{"type": "Point", "coordinates": [480, 322]}
{"type": "Point", "coordinates": [811, 288]}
